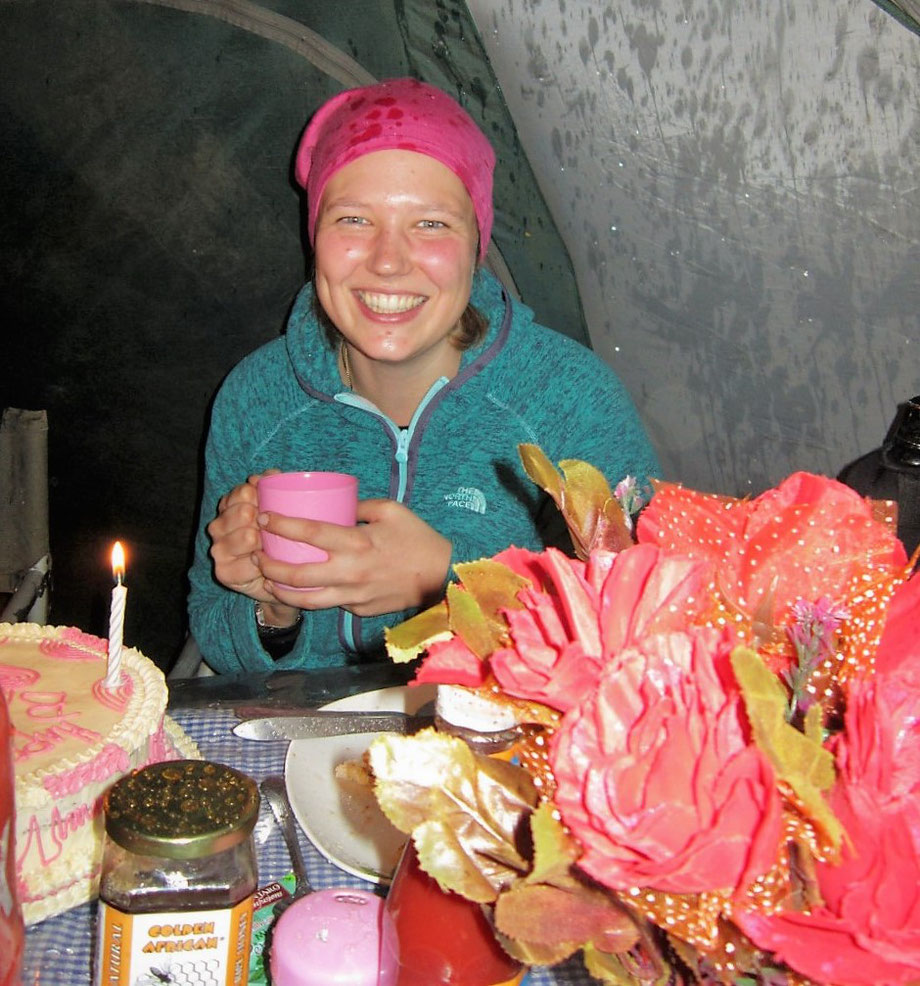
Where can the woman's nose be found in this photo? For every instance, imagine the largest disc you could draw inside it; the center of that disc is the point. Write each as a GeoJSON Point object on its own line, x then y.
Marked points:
{"type": "Point", "coordinates": [390, 253]}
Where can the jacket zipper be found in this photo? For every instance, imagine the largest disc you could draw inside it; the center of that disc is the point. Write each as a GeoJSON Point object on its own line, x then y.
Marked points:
{"type": "Point", "coordinates": [403, 438]}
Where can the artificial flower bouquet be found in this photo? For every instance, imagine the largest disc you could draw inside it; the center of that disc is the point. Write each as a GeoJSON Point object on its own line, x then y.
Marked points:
{"type": "Point", "coordinates": [719, 769]}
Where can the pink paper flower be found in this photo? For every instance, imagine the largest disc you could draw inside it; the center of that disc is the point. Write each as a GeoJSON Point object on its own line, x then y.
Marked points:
{"type": "Point", "coordinates": [657, 778]}
{"type": "Point", "coordinates": [880, 746]}
{"type": "Point", "coordinates": [451, 662]}
{"type": "Point", "coordinates": [867, 931]}
{"type": "Point", "coordinates": [578, 618]}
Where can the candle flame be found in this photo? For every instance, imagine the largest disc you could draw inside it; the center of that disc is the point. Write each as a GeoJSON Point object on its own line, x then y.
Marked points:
{"type": "Point", "coordinates": [118, 562]}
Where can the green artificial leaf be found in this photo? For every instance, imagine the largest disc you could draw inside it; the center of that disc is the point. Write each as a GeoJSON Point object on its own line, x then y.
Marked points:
{"type": "Point", "coordinates": [529, 953]}
{"type": "Point", "coordinates": [465, 811]}
{"type": "Point", "coordinates": [552, 912]}
{"type": "Point", "coordinates": [799, 760]}
{"type": "Point", "coordinates": [408, 640]}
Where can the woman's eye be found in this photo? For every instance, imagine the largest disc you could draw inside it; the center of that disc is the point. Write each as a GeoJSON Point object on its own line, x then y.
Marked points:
{"type": "Point", "coordinates": [351, 220]}
{"type": "Point", "coordinates": [432, 224]}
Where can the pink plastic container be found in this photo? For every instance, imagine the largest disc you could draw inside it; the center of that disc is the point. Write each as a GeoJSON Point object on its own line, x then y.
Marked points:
{"type": "Point", "coordinates": [335, 938]}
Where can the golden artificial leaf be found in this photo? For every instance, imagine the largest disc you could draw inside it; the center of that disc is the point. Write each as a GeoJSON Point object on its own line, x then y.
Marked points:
{"type": "Point", "coordinates": [465, 811]}
{"type": "Point", "coordinates": [408, 640]}
{"type": "Point", "coordinates": [541, 470]}
{"type": "Point", "coordinates": [799, 760]}
{"type": "Point", "coordinates": [585, 494]}
{"type": "Point", "coordinates": [554, 849]}
{"type": "Point", "coordinates": [812, 726]}
{"type": "Point", "coordinates": [618, 970]}
{"type": "Point", "coordinates": [467, 620]}
{"type": "Point", "coordinates": [592, 513]}
{"type": "Point", "coordinates": [493, 585]}
{"type": "Point", "coordinates": [594, 510]}
{"type": "Point", "coordinates": [554, 922]}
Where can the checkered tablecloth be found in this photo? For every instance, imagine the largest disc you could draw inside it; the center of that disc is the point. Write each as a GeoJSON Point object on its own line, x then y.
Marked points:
{"type": "Point", "coordinates": [59, 950]}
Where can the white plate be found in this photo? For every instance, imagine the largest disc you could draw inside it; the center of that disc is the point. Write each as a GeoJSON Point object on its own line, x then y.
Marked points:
{"type": "Point", "coordinates": [343, 820]}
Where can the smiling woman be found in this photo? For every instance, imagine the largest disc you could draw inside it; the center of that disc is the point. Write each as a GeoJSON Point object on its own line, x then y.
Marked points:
{"type": "Point", "coordinates": [407, 365]}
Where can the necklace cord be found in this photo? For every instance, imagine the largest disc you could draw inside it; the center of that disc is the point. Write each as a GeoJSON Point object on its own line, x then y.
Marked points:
{"type": "Point", "coordinates": [346, 369]}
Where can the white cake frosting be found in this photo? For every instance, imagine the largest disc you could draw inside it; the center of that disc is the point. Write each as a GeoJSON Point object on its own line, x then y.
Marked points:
{"type": "Point", "coordinates": [72, 738]}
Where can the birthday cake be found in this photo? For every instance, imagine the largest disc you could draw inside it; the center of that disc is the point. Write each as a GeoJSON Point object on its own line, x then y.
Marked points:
{"type": "Point", "coordinates": [72, 738]}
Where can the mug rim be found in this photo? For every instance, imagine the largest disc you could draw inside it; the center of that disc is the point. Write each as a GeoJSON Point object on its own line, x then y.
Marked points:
{"type": "Point", "coordinates": [309, 481]}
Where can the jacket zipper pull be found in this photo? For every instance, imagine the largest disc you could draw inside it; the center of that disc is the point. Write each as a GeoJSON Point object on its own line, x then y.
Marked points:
{"type": "Point", "coordinates": [402, 445]}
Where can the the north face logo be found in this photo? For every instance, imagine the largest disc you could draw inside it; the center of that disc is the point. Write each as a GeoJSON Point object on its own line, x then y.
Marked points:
{"type": "Point", "coordinates": [467, 497]}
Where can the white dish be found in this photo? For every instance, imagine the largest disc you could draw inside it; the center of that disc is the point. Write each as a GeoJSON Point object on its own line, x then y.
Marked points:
{"type": "Point", "coordinates": [341, 819]}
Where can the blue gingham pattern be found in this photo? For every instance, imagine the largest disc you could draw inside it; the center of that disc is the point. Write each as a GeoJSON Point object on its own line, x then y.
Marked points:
{"type": "Point", "coordinates": [59, 949]}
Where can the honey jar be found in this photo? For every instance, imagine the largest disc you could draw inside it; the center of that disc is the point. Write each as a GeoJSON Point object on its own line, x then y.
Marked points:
{"type": "Point", "coordinates": [178, 876]}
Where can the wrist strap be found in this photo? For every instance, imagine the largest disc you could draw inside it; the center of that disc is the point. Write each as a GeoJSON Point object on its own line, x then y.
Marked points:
{"type": "Point", "coordinates": [276, 640]}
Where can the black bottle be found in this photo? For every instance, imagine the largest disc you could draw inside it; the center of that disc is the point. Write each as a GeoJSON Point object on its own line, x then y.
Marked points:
{"type": "Point", "coordinates": [902, 446]}
{"type": "Point", "coordinates": [892, 472]}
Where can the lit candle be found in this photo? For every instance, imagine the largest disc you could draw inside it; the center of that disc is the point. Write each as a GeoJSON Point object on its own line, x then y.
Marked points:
{"type": "Point", "coordinates": [116, 616]}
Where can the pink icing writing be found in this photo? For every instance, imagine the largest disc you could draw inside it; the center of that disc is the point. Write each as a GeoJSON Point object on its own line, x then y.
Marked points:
{"type": "Point", "coordinates": [45, 705]}
{"type": "Point", "coordinates": [26, 745]}
{"type": "Point", "coordinates": [27, 896]}
{"type": "Point", "coordinates": [48, 844]}
{"type": "Point", "coordinates": [112, 761]}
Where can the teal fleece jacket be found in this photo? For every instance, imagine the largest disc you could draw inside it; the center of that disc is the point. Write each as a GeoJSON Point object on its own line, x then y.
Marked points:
{"type": "Point", "coordinates": [456, 465]}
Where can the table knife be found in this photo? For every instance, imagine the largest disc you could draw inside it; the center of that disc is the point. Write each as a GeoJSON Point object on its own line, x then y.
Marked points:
{"type": "Point", "coordinates": [327, 722]}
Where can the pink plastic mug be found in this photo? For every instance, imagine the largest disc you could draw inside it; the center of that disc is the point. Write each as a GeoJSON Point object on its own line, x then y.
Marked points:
{"type": "Point", "coordinates": [326, 496]}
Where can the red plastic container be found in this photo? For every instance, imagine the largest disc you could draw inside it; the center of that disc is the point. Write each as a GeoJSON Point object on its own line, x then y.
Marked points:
{"type": "Point", "coordinates": [443, 937]}
{"type": "Point", "coordinates": [11, 927]}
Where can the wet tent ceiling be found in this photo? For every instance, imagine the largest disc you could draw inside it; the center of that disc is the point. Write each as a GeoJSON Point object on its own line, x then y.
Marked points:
{"type": "Point", "coordinates": [736, 183]}
{"type": "Point", "coordinates": [733, 182]}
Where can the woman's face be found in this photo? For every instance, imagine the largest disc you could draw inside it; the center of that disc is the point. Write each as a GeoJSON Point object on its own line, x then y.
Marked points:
{"type": "Point", "coordinates": [395, 249]}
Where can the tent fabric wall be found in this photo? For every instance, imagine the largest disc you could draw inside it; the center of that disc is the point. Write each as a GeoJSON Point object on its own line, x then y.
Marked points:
{"type": "Point", "coordinates": [737, 186]}
{"type": "Point", "coordinates": [151, 237]}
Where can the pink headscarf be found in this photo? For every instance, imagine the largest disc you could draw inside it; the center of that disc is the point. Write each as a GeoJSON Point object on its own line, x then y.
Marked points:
{"type": "Point", "coordinates": [397, 114]}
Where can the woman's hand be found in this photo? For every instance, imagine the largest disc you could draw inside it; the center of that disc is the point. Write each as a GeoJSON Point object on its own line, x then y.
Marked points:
{"type": "Point", "coordinates": [235, 541]}
{"type": "Point", "coordinates": [392, 560]}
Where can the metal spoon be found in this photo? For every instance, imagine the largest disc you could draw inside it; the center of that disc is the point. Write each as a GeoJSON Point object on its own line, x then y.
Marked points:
{"type": "Point", "coordinates": [274, 791]}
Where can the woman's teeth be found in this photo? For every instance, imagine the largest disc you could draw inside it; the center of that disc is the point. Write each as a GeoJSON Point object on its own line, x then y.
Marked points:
{"type": "Point", "coordinates": [390, 304]}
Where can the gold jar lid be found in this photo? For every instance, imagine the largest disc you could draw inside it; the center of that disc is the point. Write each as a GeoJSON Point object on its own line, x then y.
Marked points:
{"type": "Point", "coordinates": [181, 809]}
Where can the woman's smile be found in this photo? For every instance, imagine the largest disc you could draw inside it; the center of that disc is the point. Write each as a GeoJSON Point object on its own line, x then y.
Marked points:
{"type": "Point", "coordinates": [390, 304]}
